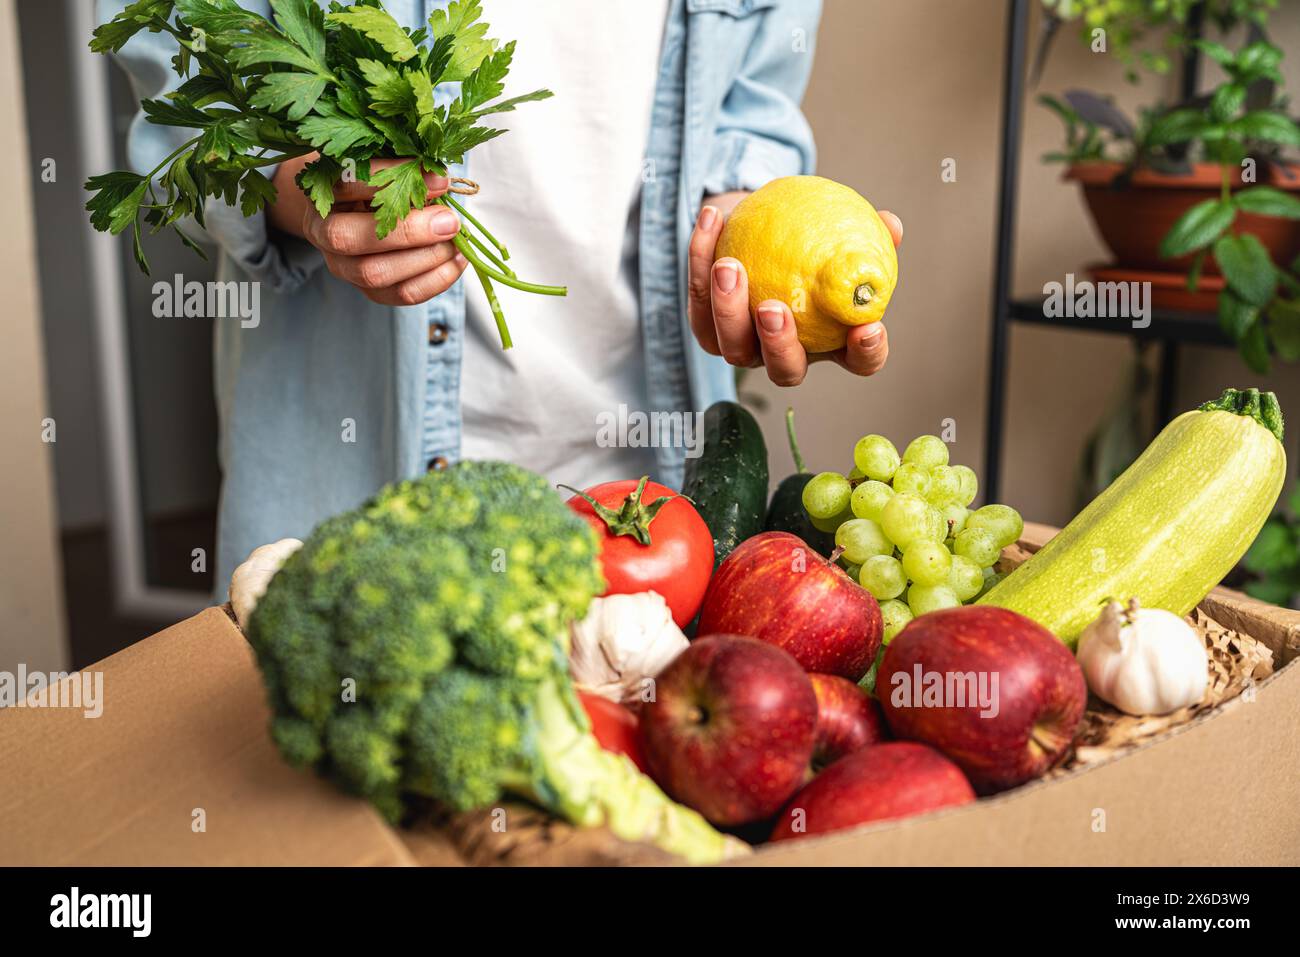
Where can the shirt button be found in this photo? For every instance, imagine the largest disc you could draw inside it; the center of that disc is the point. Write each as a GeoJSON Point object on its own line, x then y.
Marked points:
{"type": "Point", "coordinates": [438, 333]}
{"type": "Point", "coordinates": [438, 463]}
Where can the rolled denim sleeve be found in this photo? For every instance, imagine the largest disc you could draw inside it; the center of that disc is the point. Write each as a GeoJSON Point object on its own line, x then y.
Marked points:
{"type": "Point", "coordinates": [762, 133]}
{"type": "Point", "coordinates": [282, 262]}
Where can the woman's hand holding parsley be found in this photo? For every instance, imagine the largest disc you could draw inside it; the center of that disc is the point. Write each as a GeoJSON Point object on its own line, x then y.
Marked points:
{"type": "Point", "coordinates": [411, 265]}
{"type": "Point", "coordinates": [718, 297]}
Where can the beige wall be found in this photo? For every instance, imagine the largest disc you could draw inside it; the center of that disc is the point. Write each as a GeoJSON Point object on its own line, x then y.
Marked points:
{"type": "Point", "coordinates": [31, 616]}
{"type": "Point", "coordinates": [897, 87]}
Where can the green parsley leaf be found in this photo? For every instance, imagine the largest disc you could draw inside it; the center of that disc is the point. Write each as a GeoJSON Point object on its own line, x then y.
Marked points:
{"type": "Point", "coordinates": [303, 22]}
{"type": "Point", "coordinates": [258, 191]}
{"type": "Point", "coordinates": [295, 92]}
{"type": "Point", "coordinates": [116, 201]}
{"type": "Point", "coordinates": [375, 23]}
{"type": "Point", "coordinates": [390, 92]}
{"type": "Point", "coordinates": [317, 180]}
{"type": "Point", "coordinates": [402, 188]}
{"type": "Point", "coordinates": [461, 19]}
{"type": "Point", "coordinates": [487, 80]}
{"type": "Point", "coordinates": [334, 133]}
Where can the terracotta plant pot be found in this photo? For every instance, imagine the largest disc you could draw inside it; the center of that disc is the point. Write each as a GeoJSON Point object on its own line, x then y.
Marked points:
{"type": "Point", "coordinates": [1132, 220]}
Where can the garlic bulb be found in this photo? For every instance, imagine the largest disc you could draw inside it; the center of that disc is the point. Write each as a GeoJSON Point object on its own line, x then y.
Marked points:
{"type": "Point", "coordinates": [1143, 660]}
{"type": "Point", "coordinates": [248, 582]}
{"type": "Point", "coordinates": [623, 641]}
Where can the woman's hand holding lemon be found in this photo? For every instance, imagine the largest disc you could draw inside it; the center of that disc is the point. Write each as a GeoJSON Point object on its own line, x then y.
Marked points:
{"type": "Point", "coordinates": [822, 268]}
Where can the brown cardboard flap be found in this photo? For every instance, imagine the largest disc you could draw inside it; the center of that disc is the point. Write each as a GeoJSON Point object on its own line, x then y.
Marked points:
{"type": "Point", "coordinates": [183, 730]}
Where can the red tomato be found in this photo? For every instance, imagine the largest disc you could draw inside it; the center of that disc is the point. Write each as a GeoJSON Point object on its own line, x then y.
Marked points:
{"type": "Point", "coordinates": [614, 726]}
{"type": "Point", "coordinates": [669, 551]}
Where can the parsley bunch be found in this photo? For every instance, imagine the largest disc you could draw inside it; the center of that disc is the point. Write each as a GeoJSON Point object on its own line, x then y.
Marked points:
{"type": "Point", "coordinates": [350, 82]}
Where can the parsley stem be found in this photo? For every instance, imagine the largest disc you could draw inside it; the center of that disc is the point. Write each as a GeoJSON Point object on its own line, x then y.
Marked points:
{"type": "Point", "coordinates": [512, 281]}
{"type": "Point", "coordinates": [188, 144]}
{"type": "Point", "coordinates": [469, 217]}
{"type": "Point", "coordinates": [497, 312]}
{"type": "Point", "coordinates": [487, 251]}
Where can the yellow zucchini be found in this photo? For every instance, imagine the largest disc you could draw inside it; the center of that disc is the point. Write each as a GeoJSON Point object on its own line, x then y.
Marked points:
{"type": "Point", "coordinates": [1169, 528]}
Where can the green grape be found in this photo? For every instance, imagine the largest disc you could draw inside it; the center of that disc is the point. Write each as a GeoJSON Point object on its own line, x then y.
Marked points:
{"type": "Point", "coordinates": [906, 519]}
{"type": "Point", "coordinates": [826, 494]}
{"type": "Point", "coordinates": [956, 516]}
{"type": "Point", "coordinates": [927, 563]}
{"type": "Point", "coordinates": [852, 570]}
{"type": "Point", "coordinates": [876, 456]}
{"type": "Point", "coordinates": [923, 599]}
{"type": "Point", "coordinates": [979, 545]}
{"type": "Point", "coordinates": [894, 615]}
{"type": "Point", "coordinates": [910, 477]}
{"type": "Point", "coordinates": [945, 486]}
{"type": "Point", "coordinates": [829, 525]}
{"type": "Point", "coordinates": [1002, 521]}
{"type": "Point", "coordinates": [861, 538]}
{"type": "Point", "coordinates": [869, 499]}
{"type": "Point", "coordinates": [883, 576]}
{"type": "Point", "coordinates": [926, 451]}
{"type": "Point", "coordinates": [855, 474]}
{"type": "Point", "coordinates": [991, 578]}
{"type": "Point", "coordinates": [965, 578]}
{"type": "Point", "coordinates": [938, 525]}
{"type": "Point", "coordinates": [970, 483]}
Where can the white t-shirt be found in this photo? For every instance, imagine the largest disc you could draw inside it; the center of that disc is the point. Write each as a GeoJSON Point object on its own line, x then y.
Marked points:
{"type": "Point", "coordinates": [559, 191]}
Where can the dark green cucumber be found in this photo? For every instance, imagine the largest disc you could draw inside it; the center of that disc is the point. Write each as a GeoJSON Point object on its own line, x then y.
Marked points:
{"type": "Point", "coordinates": [786, 512]}
{"type": "Point", "coordinates": [727, 481]}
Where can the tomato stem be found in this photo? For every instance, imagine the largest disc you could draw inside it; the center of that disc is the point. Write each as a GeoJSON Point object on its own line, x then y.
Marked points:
{"type": "Point", "coordinates": [633, 517]}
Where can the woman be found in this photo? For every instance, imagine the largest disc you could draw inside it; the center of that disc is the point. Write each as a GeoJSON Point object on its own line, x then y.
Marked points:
{"type": "Point", "coordinates": [372, 361]}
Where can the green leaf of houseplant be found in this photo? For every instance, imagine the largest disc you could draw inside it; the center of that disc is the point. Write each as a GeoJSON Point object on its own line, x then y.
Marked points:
{"type": "Point", "coordinates": [1236, 316]}
{"type": "Point", "coordinates": [1215, 51]}
{"type": "Point", "coordinates": [1197, 228]}
{"type": "Point", "coordinates": [1226, 102]}
{"type": "Point", "coordinates": [1177, 126]}
{"type": "Point", "coordinates": [1273, 550]}
{"type": "Point", "coordinates": [1267, 201]}
{"type": "Point", "coordinates": [1269, 126]}
{"type": "Point", "coordinates": [1253, 347]}
{"type": "Point", "coordinates": [1246, 267]}
{"type": "Point", "coordinates": [1284, 328]}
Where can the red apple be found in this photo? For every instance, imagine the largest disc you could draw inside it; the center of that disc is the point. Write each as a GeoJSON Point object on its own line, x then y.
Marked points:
{"type": "Point", "coordinates": [848, 719]}
{"type": "Point", "coordinates": [730, 731]}
{"type": "Point", "coordinates": [775, 588]}
{"type": "Point", "coordinates": [891, 780]}
{"type": "Point", "coordinates": [614, 727]}
{"type": "Point", "coordinates": [991, 689]}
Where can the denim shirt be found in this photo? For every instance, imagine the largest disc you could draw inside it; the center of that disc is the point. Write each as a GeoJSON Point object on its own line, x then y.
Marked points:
{"type": "Point", "coordinates": [330, 396]}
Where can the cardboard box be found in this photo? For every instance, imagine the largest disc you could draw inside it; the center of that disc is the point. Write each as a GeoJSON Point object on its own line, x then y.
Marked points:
{"type": "Point", "coordinates": [184, 724]}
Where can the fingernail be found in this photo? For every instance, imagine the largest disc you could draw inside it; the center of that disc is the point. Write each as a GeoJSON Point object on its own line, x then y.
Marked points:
{"type": "Point", "coordinates": [444, 223]}
{"type": "Point", "coordinates": [708, 215]}
{"type": "Point", "coordinates": [871, 336]}
{"type": "Point", "coordinates": [725, 276]}
{"type": "Point", "coordinates": [771, 317]}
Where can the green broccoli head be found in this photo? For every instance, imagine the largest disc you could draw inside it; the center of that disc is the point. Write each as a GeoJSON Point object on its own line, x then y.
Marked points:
{"type": "Point", "coordinates": [418, 647]}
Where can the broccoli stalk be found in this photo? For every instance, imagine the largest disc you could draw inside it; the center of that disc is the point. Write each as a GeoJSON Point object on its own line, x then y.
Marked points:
{"type": "Point", "coordinates": [417, 647]}
{"type": "Point", "coordinates": [581, 781]}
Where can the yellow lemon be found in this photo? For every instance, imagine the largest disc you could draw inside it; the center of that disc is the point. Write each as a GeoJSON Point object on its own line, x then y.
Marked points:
{"type": "Point", "coordinates": [819, 247]}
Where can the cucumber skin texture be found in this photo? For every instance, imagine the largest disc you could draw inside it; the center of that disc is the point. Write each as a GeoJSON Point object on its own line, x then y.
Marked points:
{"type": "Point", "coordinates": [785, 513]}
{"type": "Point", "coordinates": [728, 480]}
{"type": "Point", "coordinates": [1165, 532]}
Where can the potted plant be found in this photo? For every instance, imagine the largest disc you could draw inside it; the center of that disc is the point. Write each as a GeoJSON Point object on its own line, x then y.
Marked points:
{"type": "Point", "coordinates": [1198, 199]}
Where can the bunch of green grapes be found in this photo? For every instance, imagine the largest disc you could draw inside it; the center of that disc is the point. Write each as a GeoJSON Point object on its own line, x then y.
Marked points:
{"type": "Point", "coordinates": [905, 529]}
